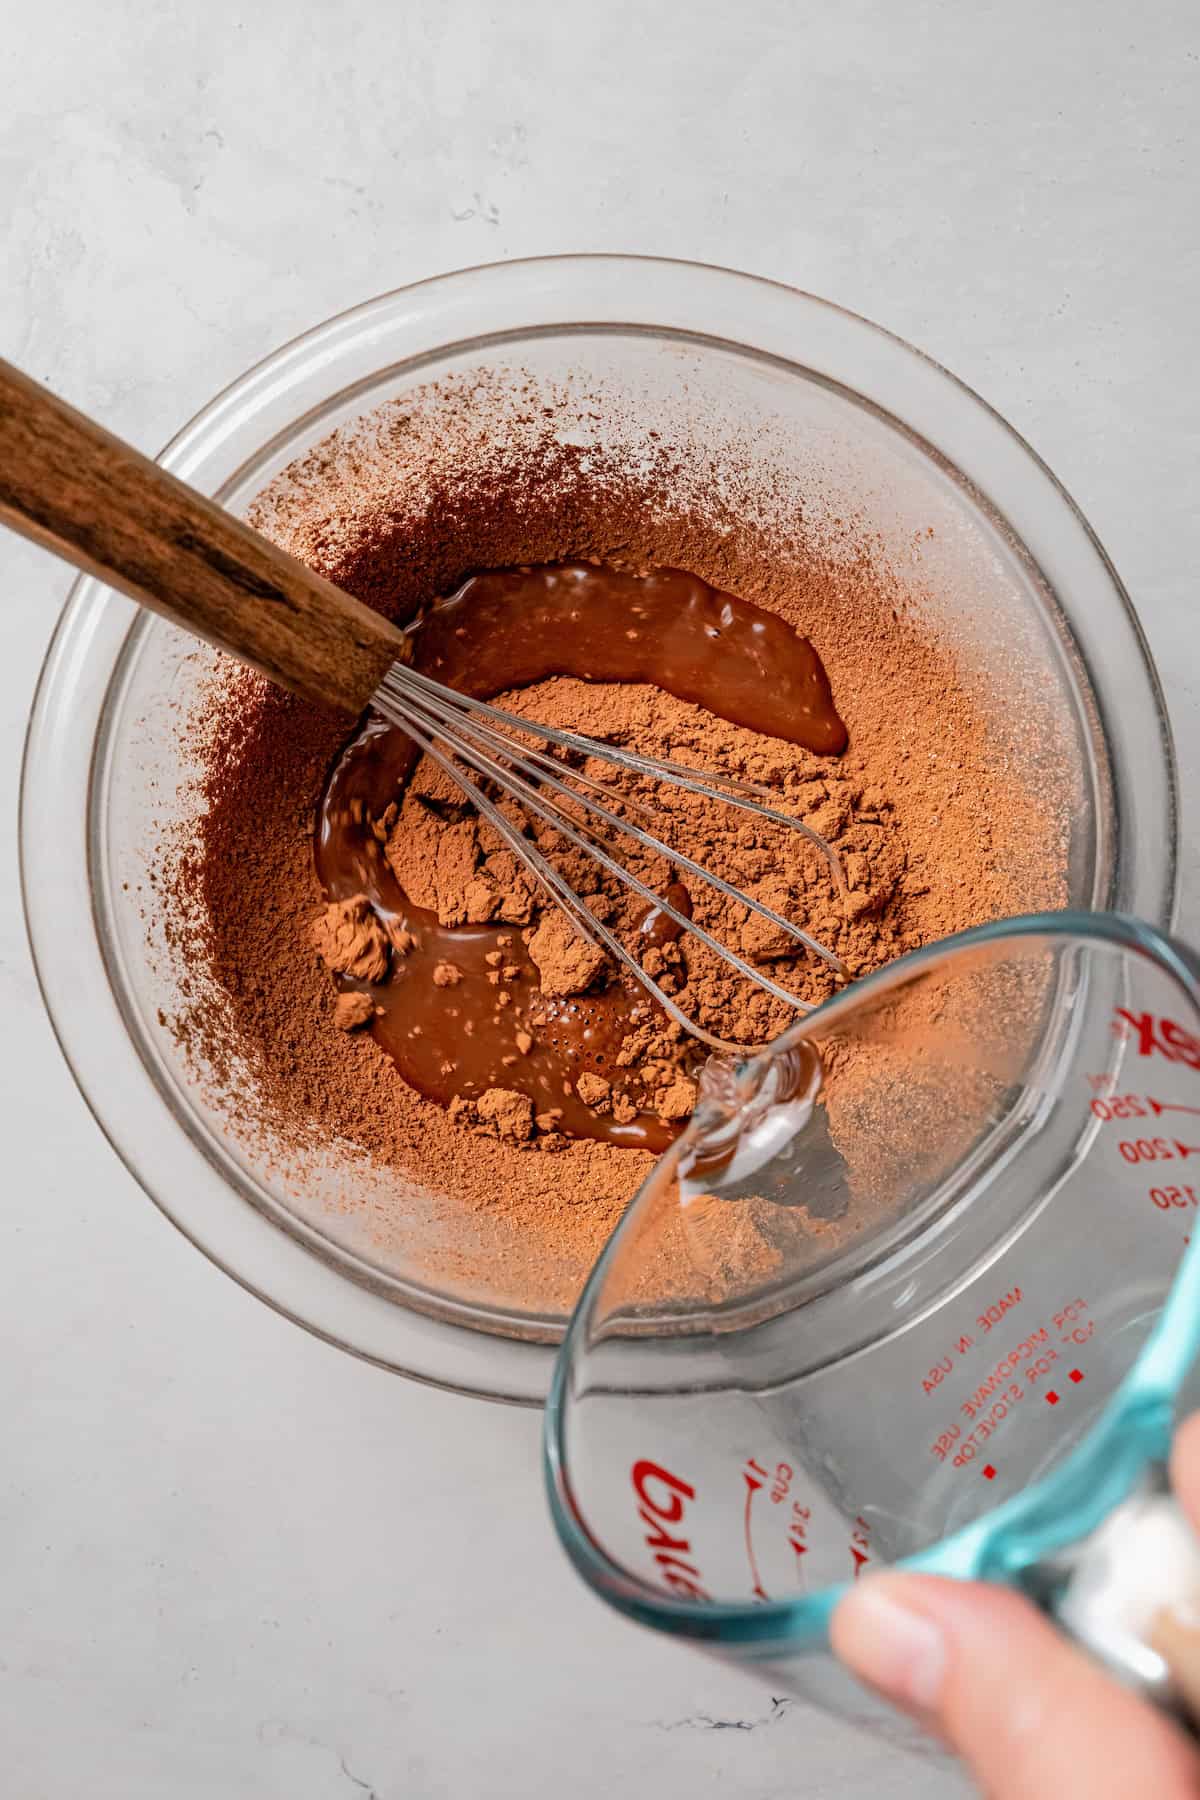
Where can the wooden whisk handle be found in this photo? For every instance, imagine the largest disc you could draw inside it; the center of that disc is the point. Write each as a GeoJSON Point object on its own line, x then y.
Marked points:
{"type": "Point", "coordinates": [73, 487]}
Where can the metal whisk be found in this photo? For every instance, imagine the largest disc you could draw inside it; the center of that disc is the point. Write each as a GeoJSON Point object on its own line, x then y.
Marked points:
{"type": "Point", "coordinates": [469, 739]}
{"type": "Point", "coordinates": [72, 487]}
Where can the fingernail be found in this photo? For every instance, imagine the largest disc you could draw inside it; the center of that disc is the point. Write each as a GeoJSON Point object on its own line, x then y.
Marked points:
{"type": "Point", "coordinates": [889, 1645]}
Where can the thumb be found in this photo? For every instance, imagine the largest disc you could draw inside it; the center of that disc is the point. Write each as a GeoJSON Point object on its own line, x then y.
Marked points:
{"type": "Point", "coordinates": [1029, 1714]}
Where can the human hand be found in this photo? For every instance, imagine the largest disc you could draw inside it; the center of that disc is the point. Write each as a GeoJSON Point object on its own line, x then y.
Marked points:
{"type": "Point", "coordinates": [1030, 1715]}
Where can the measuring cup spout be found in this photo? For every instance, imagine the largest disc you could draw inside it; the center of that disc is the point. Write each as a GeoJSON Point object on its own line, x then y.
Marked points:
{"type": "Point", "coordinates": [746, 1114]}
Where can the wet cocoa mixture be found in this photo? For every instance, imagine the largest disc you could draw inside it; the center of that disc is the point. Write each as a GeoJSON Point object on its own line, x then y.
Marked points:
{"type": "Point", "coordinates": [479, 989]}
{"type": "Point", "coordinates": [469, 1048]}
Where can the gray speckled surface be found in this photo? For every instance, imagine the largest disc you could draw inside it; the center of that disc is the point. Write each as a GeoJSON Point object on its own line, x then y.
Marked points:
{"type": "Point", "coordinates": [237, 1562]}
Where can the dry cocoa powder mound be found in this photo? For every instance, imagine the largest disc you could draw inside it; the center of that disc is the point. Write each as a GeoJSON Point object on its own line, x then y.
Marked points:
{"type": "Point", "coordinates": [938, 826]}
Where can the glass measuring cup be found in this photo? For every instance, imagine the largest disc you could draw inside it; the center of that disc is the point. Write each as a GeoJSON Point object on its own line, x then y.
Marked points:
{"type": "Point", "coordinates": [914, 1287]}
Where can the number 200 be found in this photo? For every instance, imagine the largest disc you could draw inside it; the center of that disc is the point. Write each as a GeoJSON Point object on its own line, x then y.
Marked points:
{"type": "Point", "coordinates": [1146, 1150]}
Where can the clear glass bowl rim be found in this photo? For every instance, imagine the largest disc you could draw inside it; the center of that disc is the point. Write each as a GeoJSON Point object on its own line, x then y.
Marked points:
{"type": "Point", "coordinates": [405, 329]}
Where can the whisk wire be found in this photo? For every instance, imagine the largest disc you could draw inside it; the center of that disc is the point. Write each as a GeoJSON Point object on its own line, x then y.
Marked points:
{"type": "Point", "coordinates": [553, 815]}
{"type": "Point", "coordinates": [560, 890]}
{"type": "Point", "coordinates": [540, 768]}
{"type": "Point", "coordinates": [716, 784]}
{"type": "Point", "coordinates": [450, 729]}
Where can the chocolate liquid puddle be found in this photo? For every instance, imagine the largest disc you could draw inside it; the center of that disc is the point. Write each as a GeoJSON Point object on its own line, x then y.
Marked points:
{"type": "Point", "coordinates": [509, 629]}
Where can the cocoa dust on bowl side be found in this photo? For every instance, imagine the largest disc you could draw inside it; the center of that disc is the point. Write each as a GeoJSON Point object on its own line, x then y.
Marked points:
{"type": "Point", "coordinates": [937, 824]}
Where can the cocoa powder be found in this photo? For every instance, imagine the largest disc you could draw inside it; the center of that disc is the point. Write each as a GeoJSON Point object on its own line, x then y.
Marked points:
{"type": "Point", "coordinates": [936, 826]}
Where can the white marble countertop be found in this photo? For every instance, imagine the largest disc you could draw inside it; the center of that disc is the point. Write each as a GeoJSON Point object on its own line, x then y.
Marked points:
{"type": "Point", "coordinates": [236, 1562]}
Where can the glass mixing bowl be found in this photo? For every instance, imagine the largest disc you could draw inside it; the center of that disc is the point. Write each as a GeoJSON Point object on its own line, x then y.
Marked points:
{"type": "Point", "coordinates": [712, 361]}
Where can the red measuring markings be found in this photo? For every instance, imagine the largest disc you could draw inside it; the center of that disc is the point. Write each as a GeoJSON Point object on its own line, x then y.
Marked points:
{"type": "Point", "coordinates": [992, 1315]}
{"type": "Point", "coordinates": [1076, 1375]}
{"type": "Point", "coordinates": [782, 1482]}
{"type": "Point", "coordinates": [1117, 1106]}
{"type": "Point", "coordinates": [1012, 1377]}
{"type": "Point", "coordinates": [1157, 1036]}
{"type": "Point", "coordinates": [1000, 1381]}
{"type": "Point", "coordinates": [1167, 1197]}
{"type": "Point", "coordinates": [664, 1499]}
{"type": "Point", "coordinates": [933, 1379]}
{"type": "Point", "coordinates": [986, 1319]}
{"type": "Point", "coordinates": [945, 1442]}
{"type": "Point", "coordinates": [1070, 1324]}
{"type": "Point", "coordinates": [860, 1545]}
{"type": "Point", "coordinates": [987, 1422]}
{"type": "Point", "coordinates": [754, 1475]}
{"type": "Point", "coordinates": [798, 1535]}
{"type": "Point", "coordinates": [1159, 1149]}
{"type": "Point", "coordinates": [1110, 1107]}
